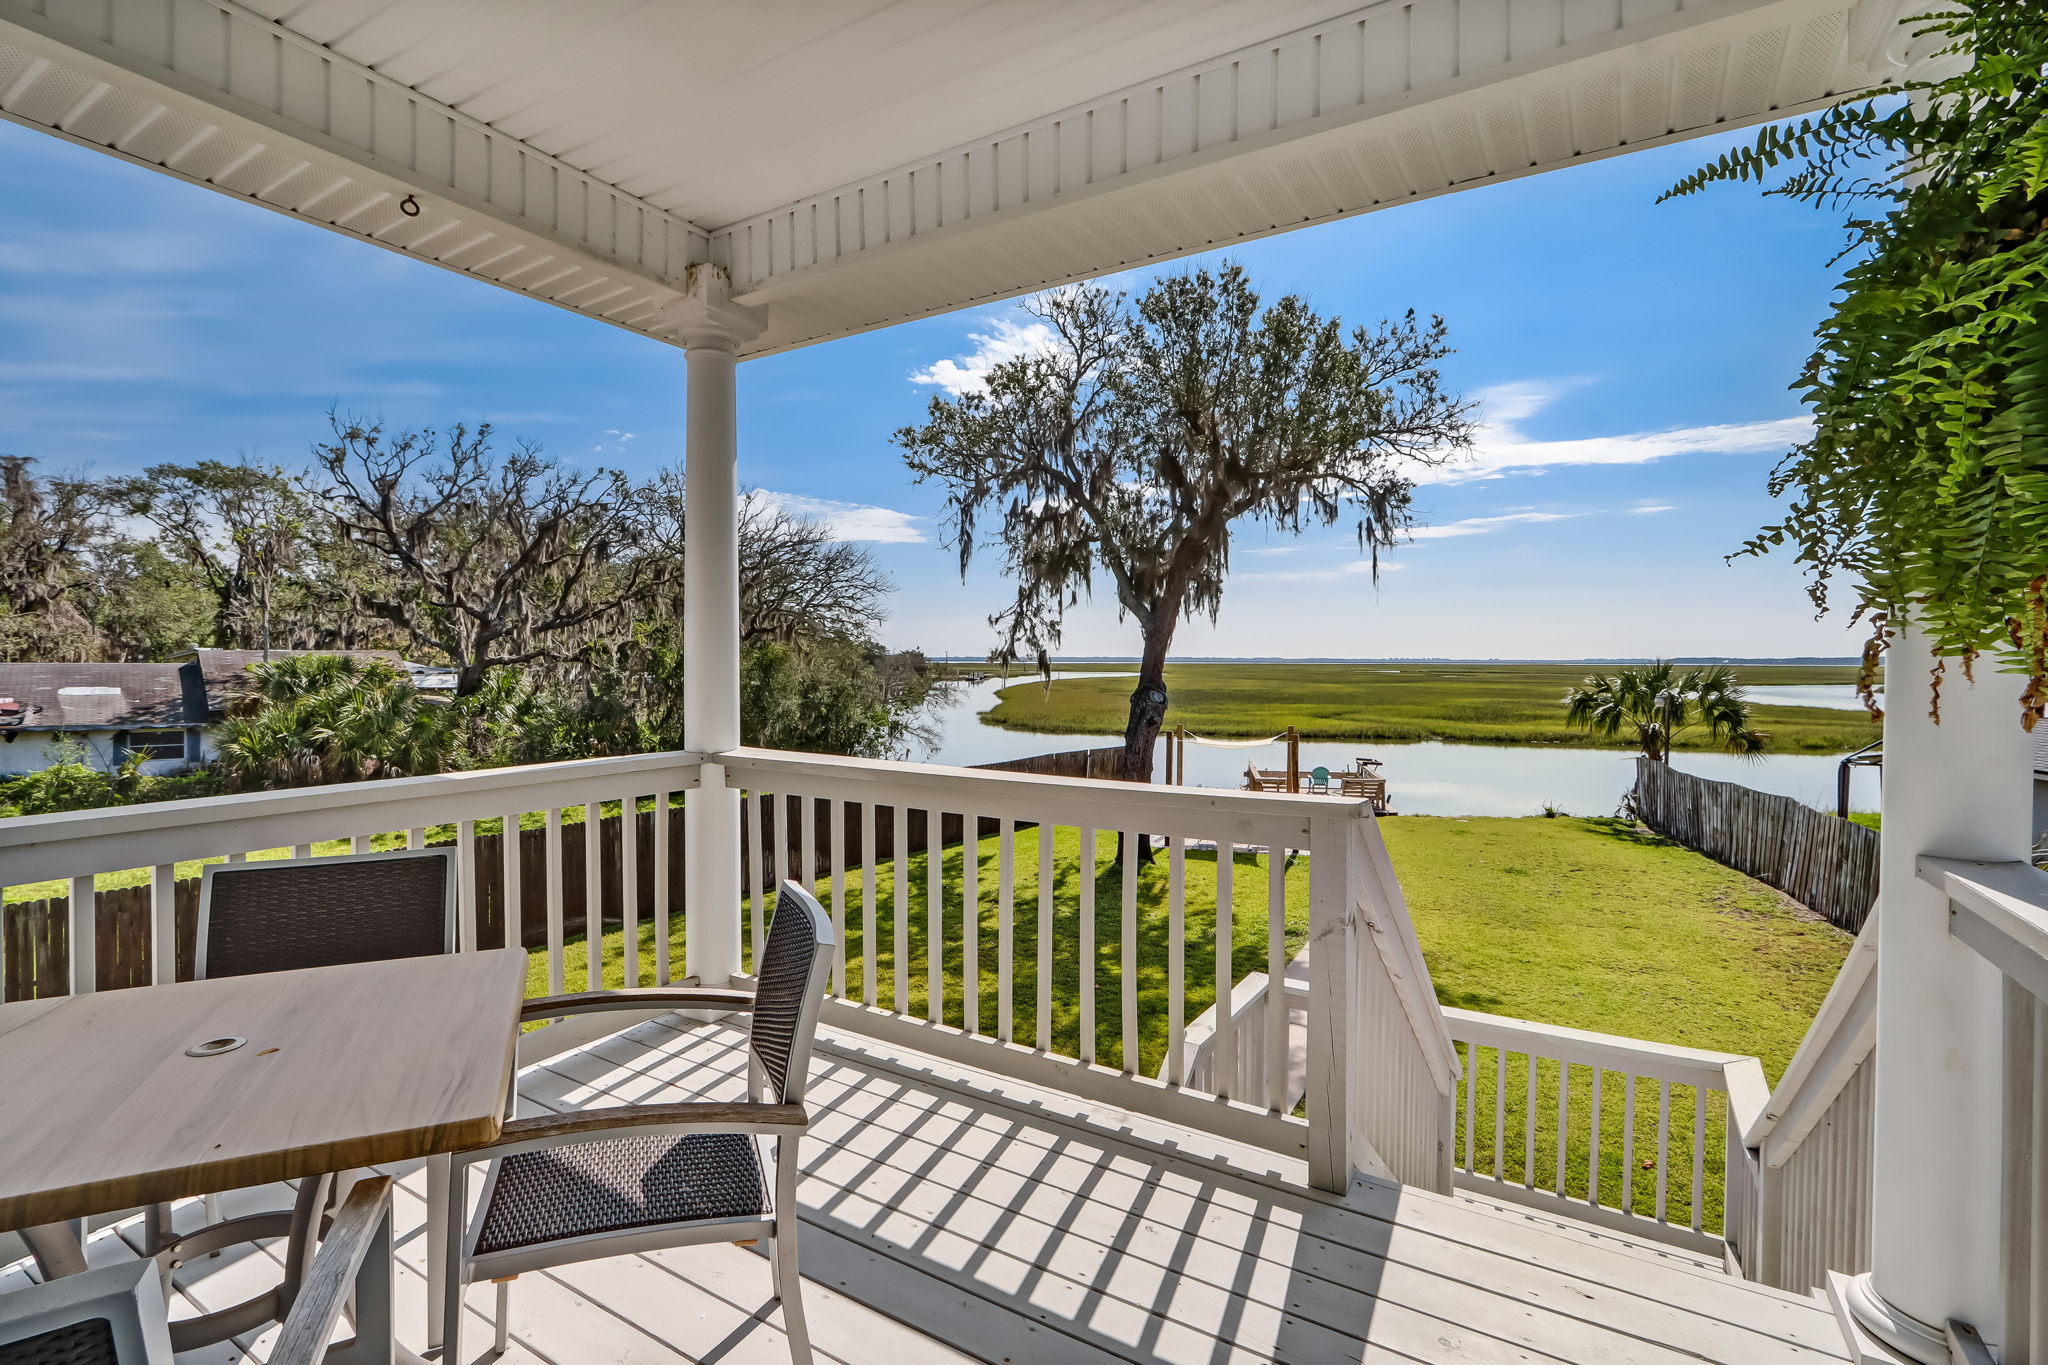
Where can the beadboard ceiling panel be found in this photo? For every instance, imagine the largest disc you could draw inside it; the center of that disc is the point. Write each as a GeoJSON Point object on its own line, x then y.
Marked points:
{"type": "Point", "coordinates": [853, 163]}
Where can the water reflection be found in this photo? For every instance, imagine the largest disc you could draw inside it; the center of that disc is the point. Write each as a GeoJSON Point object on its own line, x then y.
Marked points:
{"type": "Point", "coordinates": [1435, 778]}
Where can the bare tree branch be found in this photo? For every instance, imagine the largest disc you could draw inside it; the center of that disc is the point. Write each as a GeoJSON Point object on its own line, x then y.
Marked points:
{"type": "Point", "coordinates": [491, 561]}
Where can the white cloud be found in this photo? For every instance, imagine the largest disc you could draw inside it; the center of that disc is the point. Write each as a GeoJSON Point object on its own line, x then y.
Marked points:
{"type": "Point", "coordinates": [1352, 568]}
{"type": "Point", "coordinates": [851, 520]}
{"type": "Point", "coordinates": [1511, 402]}
{"type": "Point", "coordinates": [1501, 449]}
{"type": "Point", "coordinates": [1479, 526]}
{"type": "Point", "coordinates": [1651, 510]}
{"type": "Point", "coordinates": [1007, 339]}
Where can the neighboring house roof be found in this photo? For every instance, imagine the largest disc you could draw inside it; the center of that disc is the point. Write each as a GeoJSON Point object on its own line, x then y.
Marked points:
{"type": "Point", "coordinates": [2038, 743]}
{"type": "Point", "coordinates": [58, 696]}
{"type": "Point", "coordinates": [221, 671]}
{"type": "Point", "coordinates": [192, 689]}
{"type": "Point", "coordinates": [431, 677]}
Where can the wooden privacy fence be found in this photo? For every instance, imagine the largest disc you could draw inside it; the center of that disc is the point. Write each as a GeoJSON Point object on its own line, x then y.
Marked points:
{"type": "Point", "coordinates": [34, 960]}
{"type": "Point", "coordinates": [1823, 861]}
{"type": "Point", "coordinates": [1096, 763]}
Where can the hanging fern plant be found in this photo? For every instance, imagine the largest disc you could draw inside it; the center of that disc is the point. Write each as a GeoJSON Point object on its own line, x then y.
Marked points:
{"type": "Point", "coordinates": [1925, 485]}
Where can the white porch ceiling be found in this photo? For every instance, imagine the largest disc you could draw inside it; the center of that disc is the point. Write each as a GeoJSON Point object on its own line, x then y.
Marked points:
{"type": "Point", "coordinates": [853, 163]}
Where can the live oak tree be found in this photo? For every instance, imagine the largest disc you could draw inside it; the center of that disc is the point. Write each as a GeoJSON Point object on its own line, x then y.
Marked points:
{"type": "Point", "coordinates": [796, 578]}
{"type": "Point", "coordinates": [48, 530]}
{"type": "Point", "coordinates": [490, 560]}
{"type": "Point", "coordinates": [1146, 431]}
{"type": "Point", "coordinates": [241, 528]}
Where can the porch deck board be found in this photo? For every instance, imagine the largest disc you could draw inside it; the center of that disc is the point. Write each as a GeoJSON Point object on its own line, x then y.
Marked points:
{"type": "Point", "coordinates": [952, 1216]}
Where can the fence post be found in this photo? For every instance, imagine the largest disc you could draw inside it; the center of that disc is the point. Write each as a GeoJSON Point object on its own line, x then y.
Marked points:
{"type": "Point", "coordinates": [1330, 920]}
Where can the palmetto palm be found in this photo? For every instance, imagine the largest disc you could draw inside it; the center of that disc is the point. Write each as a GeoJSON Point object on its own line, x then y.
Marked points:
{"type": "Point", "coordinates": [1660, 705]}
{"type": "Point", "coordinates": [306, 720]}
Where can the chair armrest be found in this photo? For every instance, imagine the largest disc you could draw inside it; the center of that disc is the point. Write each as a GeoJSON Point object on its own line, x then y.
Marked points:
{"type": "Point", "coordinates": [549, 1130]}
{"type": "Point", "coordinates": [651, 998]}
{"type": "Point", "coordinates": [331, 1277]}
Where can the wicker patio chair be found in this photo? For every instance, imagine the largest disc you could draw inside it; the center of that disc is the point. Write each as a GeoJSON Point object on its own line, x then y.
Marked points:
{"type": "Point", "coordinates": [629, 1178]}
{"type": "Point", "coordinates": [116, 1315]}
{"type": "Point", "coordinates": [111, 1316]}
{"type": "Point", "coordinates": [285, 915]}
{"type": "Point", "coordinates": [323, 912]}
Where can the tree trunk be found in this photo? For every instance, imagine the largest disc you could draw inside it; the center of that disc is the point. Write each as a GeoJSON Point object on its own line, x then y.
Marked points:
{"type": "Point", "coordinates": [1148, 715]}
{"type": "Point", "coordinates": [1148, 702]}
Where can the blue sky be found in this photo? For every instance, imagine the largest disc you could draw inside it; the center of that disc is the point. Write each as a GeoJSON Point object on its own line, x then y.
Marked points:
{"type": "Point", "coordinates": [1632, 360]}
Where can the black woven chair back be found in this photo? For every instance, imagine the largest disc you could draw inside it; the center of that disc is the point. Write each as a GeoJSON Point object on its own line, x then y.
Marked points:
{"type": "Point", "coordinates": [789, 989]}
{"type": "Point", "coordinates": [323, 912]}
{"type": "Point", "coordinates": [90, 1342]}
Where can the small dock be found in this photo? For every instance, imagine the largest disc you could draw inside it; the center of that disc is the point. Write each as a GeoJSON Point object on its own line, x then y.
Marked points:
{"type": "Point", "coordinates": [1362, 781]}
{"type": "Point", "coordinates": [1359, 783]}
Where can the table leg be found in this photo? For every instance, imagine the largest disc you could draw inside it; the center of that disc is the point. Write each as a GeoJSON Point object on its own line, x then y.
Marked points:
{"type": "Point", "coordinates": [438, 1195]}
{"type": "Point", "coordinates": [59, 1248]}
{"type": "Point", "coordinates": [373, 1343]}
{"type": "Point", "coordinates": [300, 1228]}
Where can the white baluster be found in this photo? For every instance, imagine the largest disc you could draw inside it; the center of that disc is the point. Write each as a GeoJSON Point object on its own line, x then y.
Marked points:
{"type": "Point", "coordinates": [557, 873]}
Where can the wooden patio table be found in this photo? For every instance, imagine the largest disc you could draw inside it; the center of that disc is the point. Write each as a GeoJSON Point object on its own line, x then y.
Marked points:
{"type": "Point", "coordinates": [122, 1099]}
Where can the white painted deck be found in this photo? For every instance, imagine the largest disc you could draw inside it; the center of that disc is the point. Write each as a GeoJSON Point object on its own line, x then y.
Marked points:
{"type": "Point", "coordinates": [950, 1216]}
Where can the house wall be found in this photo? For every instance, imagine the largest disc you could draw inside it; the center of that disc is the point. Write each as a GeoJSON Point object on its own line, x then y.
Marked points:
{"type": "Point", "coordinates": [31, 751]}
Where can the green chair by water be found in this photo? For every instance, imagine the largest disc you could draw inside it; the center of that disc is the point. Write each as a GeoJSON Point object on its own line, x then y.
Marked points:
{"type": "Point", "coordinates": [1319, 779]}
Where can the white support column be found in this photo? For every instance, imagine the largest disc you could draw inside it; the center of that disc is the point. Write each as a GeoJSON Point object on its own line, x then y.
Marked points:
{"type": "Point", "coordinates": [711, 328]}
{"type": "Point", "coordinates": [1959, 789]}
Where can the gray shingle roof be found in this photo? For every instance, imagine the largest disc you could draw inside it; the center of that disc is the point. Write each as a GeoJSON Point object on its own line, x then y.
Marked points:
{"type": "Point", "coordinates": [57, 696]}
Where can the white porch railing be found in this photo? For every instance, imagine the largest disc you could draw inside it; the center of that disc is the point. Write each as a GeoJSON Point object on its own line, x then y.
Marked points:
{"type": "Point", "coordinates": [1805, 1195]}
{"type": "Point", "coordinates": [2000, 910]}
{"type": "Point", "coordinates": [1252, 1059]}
{"type": "Point", "coordinates": [1046, 956]}
{"type": "Point", "coordinates": [568, 799]}
{"type": "Point", "coordinates": [1809, 1151]}
{"type": "Point", "coordinates": [1635, 1136]}
{"type": "Point", "coordinates": [985, 918]}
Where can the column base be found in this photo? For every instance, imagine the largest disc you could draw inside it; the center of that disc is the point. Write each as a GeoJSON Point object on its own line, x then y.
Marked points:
{"type": "Point", "coordinates": [1877, 1333]}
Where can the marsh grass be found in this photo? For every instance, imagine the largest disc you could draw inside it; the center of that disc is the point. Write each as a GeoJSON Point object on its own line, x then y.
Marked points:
{"type": "Point", "coordinates": [1468, 703]}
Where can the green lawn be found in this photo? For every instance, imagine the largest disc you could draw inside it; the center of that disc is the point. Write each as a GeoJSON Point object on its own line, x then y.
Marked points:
{"type": "Point", "coordinates": [1591, 924]}
{"type": "Point", "coordinates": [1248, 937]}
{"type": "Point", "coordinates": [1475, 703]}
{"type": "Point", "coordinates": [1582, 922]}
{"type": "Point", "coordinates": [1594, 925]}
{"type": "Point", "coordinates": [1586, 923]}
